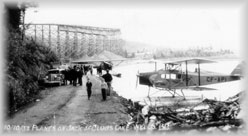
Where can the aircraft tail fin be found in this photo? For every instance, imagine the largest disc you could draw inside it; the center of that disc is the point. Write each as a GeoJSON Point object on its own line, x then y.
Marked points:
{"type": "Point", "coordinates": [238, 70]}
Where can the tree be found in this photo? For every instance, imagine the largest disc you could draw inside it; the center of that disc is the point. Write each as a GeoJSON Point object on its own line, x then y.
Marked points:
{"type": "Point", "coordinates": [15, 14]}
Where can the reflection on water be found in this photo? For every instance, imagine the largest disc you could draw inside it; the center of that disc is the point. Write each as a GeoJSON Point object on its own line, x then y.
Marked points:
{"type": "Point", "coordinates": [126, 85]}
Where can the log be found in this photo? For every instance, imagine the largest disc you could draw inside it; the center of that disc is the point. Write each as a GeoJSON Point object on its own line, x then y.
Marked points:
{"type": "Point", "coordinates": [236, 122]}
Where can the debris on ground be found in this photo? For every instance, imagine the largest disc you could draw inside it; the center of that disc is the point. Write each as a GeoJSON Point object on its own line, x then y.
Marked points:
{"type": "Point", "coordinates": [208, 115]}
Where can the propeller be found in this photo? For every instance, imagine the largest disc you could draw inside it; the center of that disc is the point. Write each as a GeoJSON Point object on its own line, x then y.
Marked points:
{"type": "Point", "coordinates": [137, 78]}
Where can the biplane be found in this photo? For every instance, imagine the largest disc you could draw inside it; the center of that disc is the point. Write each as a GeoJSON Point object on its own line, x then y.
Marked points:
{"type": "Point", "coordinates": [173, 77]}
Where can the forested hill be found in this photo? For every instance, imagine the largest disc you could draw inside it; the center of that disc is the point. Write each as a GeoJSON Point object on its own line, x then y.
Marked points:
{"type": "Point", "coordinates": [169, 52]}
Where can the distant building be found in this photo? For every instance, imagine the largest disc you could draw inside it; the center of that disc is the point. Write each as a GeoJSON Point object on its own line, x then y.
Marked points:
{"type": "Point", "coordinates": [144, 55]}
{"type": "Point", "coordinates": [130, 55]}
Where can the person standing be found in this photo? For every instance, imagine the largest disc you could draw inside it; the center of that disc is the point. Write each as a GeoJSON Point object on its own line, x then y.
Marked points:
{"type": "Point", "coordinates": [108, 78]}
{"type": "Point", "coordinates": [80, 75]}
{"type": "Point", "coordinates": [104, 87]}
{"type": "Point", "coordinates": [99, 71]}
{"type": "Point", "coordinates": [88, 86]}
{"type": "Point", "coordinates": [91, 70]}
{"type": "Point", "coordinates": [70, 74]}
{"type": "Point", "coordinates": [65, 73]}
{"type": "Point", "coordinates": [74, 76]}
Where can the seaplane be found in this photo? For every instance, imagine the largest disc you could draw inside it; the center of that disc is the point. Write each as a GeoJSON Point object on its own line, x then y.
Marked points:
{"type": "Point", "coordinates": [174, 78]}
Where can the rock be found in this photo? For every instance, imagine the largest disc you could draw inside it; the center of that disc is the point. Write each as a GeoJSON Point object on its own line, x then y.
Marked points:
{"type": "Point", "coordinates": [211, 129]}
{"type": "Point", "coordinates": [152, 123]}
{"type": "Point", "coordinates": [201, 107]}
{"type": "Point", "coordinates": [226, 128]}
{"type": "Point", "coordinates": [182, 110]}
{"type": "Point", "coordinates": [169, 125]}
{"type": "Point", "coordinates": [153, 117]}
{"type": "Point", "coordinates": [145, 110]}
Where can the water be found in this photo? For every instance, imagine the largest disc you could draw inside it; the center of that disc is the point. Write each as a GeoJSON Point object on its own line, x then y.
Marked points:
{"type": "Point", "coordinates": [126, 85]}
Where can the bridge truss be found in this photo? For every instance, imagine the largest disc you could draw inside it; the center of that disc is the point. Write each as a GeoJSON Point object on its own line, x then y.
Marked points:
{"type": "Point", "coordinates": [72, 42]}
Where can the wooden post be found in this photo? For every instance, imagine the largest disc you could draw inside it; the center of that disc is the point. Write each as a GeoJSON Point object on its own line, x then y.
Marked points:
{"type": "Point", "coordinates": [93, 43]}
{"type": "Point", "coordinates": [75, 48]}
{"type": "Point", "coordinates": [83, 42]}
{"type": "Point", "coordinates": [49, 35]}
{"type": "Point", "coordinates": [199, 79]}
{"type": "Point", "coordinates": [110, 43]}
{"type": "Point", "coordinates": [42, 34]}
{"type": "Point", "coordinates": [104, 42]}
{"type": "Point", "coordinates": [186, 72]}
{"type": "Point", "coordinates": [155, 66]}
{"type": "Point", "coordinates": [58, 42]}
{"type": "Point", "coordinates": [35, 37]}
{"type": "Point", "coordinates": [98, 43]}
{"type": "Point", "coordinates": [169, 79]}
{"type": "Point", "coordinates": [66, 43]}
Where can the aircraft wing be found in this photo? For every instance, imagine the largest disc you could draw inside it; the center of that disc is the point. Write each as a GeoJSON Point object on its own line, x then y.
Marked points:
{"type": "Point", "coordinates": [189, 61]}
{"type": "Point", "coordinates": [93, 61]}
{"type": "Point", "coordinates": [195, 61]}
{"type": "Point", "coordinates": [180, 61]}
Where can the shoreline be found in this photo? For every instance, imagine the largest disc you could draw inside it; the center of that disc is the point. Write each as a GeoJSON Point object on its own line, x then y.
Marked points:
{"type": "Point", "coordinates": [131, 61]}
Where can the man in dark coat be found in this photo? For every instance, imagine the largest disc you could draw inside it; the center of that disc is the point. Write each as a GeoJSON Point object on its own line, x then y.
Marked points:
{"type": "Point", "coordinates": [108, 79]}
{"type": "Point", "coordinates": [74, 76]}
{"type": "Point", "coordinates": [65, 73]}
{"type": "Point", "coordinates": [70, 75]}
{"type": "Point", "coordinates": [80, 75]}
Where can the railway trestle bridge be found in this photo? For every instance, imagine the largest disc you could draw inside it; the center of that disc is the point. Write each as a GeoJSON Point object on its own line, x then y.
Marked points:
{"type": "Point", "coordinates": [73, 42]}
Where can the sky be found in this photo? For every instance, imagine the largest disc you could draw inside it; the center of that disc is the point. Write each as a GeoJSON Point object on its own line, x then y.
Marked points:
{"type": "Point", "coordinates": [167, 26]}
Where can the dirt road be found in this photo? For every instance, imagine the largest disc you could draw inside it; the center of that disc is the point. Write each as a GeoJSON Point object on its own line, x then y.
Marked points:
{"type": "Point", "coordinates": [68, 105]}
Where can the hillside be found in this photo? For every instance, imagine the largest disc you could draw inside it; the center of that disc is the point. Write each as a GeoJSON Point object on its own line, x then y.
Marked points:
{"type": "Point", "coordinates": [106, 55]}
{"type": "Point", "coordinates": [132, 46]}
{"type": "Point", "coordinates": [26, 61]}
{"type": "Point", "coordinates": [161, 52]}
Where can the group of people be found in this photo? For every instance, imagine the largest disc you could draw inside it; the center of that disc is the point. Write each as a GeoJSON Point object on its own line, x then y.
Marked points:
{"type": "Point", "coordinates": [106, 80]}
{"type": "Point", "coordinates": [74, 74]}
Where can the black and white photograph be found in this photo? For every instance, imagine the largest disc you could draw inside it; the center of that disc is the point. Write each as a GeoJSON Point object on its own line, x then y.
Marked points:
{"type": "Point", "coordinates": [134, 67]}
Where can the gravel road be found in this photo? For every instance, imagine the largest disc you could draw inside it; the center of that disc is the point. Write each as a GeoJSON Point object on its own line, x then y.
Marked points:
{"type": "Point", "coordinates": [69, 106]}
